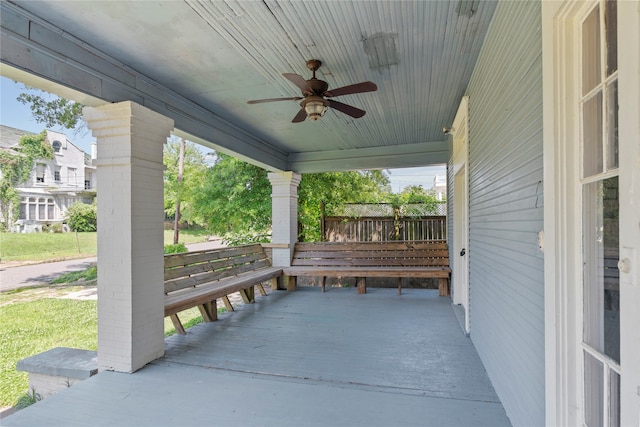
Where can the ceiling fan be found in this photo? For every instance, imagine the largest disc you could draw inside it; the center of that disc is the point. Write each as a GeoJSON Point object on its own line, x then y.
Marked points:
{"type": "Point", "coordinates": [314, 92]}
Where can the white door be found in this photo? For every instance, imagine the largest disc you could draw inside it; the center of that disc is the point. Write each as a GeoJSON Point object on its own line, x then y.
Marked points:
{"type": "Point", "coordinates": [460, 264]}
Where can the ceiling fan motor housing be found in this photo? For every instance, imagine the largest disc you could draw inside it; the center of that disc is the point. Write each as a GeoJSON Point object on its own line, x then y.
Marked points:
{"type": "Point", "coordinates": [319, 87]}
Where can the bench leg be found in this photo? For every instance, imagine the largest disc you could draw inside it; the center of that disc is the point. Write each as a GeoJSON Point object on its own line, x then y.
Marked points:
{"type": "Point", "coordinates": [261, 290]}
{"type": "Point", "coordinates": [227, 303]}
{"type": "Point", "coordinates": [209, 311]}
{"type": "Point", "coordinates": [324, 282]}
{"type": "Point", "coordinates": [248, 295]}
{"type": "Point", "coordinates": [443, 287]}
{"type": "Point", "coordinates": [177, 324]}
{"type": "Point", "coordinates": [361, 283]}
{"type": "Point", "coordinates": [292, 283]}
{"type": "Point", "coordinates": [399, 285]}
{"type": "Point", "coordinates": [274, 284]}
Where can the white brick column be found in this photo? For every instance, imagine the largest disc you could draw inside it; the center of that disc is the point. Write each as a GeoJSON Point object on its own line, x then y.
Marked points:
{"type": "Point", "coordinates": [284, 209]}
{"type": "Point", "coordinates": [130, 139]}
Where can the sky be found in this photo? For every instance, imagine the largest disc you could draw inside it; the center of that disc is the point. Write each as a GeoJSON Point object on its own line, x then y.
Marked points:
{"type": "Point", "coordinates": [17, 115]}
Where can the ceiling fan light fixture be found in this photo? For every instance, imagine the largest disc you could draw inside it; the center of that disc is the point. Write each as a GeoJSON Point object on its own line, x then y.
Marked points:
{"type": "Point", "coordinates": [315, 108]}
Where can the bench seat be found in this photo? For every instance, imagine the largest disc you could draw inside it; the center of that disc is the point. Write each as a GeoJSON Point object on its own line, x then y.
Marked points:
{"type": "Point", "coordinates": [429, 272]}
{"type": "Point", "coordinates": [182, 300]}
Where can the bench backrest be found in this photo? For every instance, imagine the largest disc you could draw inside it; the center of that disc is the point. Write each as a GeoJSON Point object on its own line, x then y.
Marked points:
{"type": "Point", "coordinates": [372, 254]}
{"type": "Point", "coordinates": [189, 269]}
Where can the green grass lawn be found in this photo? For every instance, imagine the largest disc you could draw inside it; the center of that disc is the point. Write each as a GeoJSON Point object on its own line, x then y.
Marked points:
{"type": "Point", "coordinates": [57, 246]}
{"type": "Point", "coordinates": [32, 327]}
{"type": "Point", "coordinates": [32, 323]}
{"type": "Point", "coordinates": [36, 320]}
{"type": "Point", "coordinates": [46, 246]}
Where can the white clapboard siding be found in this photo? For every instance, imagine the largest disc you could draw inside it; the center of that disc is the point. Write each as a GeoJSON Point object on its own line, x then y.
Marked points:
{"type": "Point", "coordinates": [506, 210]}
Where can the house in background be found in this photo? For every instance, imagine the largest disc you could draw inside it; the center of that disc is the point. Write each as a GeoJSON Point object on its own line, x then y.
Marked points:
{"type": "Point", "coordinates": [54, 184]}
{"type": "Point", "coordinates": [440, 187]}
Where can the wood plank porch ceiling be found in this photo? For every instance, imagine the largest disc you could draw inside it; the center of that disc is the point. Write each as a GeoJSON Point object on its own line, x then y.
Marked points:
{"type": "Point", "coordinates": [216, 55]}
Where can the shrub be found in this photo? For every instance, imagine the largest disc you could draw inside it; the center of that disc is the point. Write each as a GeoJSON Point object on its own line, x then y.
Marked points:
{"type": "Point", "coordinates": [28, 399]}
{"type": "Point", "coordinates": [82, 217]}
{"type": "Point", "coordinates": [56, 228]}
{"type": "Point", "coordinates": [175, 248]}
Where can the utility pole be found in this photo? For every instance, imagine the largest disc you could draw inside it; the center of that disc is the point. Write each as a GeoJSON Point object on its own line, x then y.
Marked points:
{"type": "Point", "coordinates": [176, 223]}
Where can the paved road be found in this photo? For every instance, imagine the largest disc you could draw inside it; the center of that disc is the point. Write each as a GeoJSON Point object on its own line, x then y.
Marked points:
{"type": "Point", "coordinates": [40, 274]}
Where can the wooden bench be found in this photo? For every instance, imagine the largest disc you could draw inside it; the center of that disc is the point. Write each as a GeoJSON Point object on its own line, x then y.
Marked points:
{"type": "Point", "coordinates": [424, 259]}
{"type": "Point", "coordinates": [197, 279]}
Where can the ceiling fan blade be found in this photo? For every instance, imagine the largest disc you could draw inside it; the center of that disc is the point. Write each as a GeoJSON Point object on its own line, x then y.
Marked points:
{"type": "Point", "coordinates": [354, 88]}
{"type": "Point", "coordinates": [260, 101]}
{"type": "Point", "coordinates": [299, 81]}
{"type": "Point", "coordinates": [354, 112]}
{"type": "Point", "coordinates": [300, 117]}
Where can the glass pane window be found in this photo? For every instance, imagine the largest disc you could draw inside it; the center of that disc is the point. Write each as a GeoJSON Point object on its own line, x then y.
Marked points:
{"type": "Point", "coordinates": [591, 51]}
{"type": "Point", "coordinates": [612, 125]}
{"type": "Point", "coordinates": [592, 136]}
{"type": "Point", "coordinates": [71, 175]}
{"type": "Point", "coordinates": [601, 275]}
{"type": "Point", "coordinates": [611, 27]}
{"type": "Point", "coordinates": [614, 403]}
{"type": "Point", "coordinates": [594, 391]}
{"type": "Point", "coordinates": [40, 173]}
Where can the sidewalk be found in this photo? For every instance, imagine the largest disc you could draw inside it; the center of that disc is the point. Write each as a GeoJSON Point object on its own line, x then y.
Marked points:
{"type": "Point", "coordinates": [42, 274]}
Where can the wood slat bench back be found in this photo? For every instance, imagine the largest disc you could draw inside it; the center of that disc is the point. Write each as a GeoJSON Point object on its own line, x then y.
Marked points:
{"type": "Point", "coordinates": [195, 268]}
{"type": "Point", "coordinates": [370, 254]}
{"type": "Point", "coordinates": [372, 259]}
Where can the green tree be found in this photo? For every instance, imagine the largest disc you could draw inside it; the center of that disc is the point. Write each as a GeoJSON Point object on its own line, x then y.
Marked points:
{"type": "Point", "coordinates": [235, 198]}
{"type": "Point", "coordinates": [193, 175]}
{"type": "Point", "coordinates": [15, 168]}
{"type": "Point", "coordinates": [51, 110]}
{"type": "Point", "coordinates": [234, 201]}
{"type": "Point", "coordinates": [415, 194]}
{"type": "Point", "coordinates": [332, 189]}
{"type": "Point", "coordinates": [82, 217]}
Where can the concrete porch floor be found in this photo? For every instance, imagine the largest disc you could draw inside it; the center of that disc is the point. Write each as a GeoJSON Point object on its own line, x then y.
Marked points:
{"type": "Point", "coordinates": [298, 359]}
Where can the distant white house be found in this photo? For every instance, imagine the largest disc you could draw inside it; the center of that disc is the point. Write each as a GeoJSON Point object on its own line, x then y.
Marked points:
{"type": "Point", "coordinates": [54, 184]}
{"type": "Point", "coordinates": [440, 187]}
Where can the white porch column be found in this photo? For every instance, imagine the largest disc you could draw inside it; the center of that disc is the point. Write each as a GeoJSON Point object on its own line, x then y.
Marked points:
{"type": "Point", "coordinates": [284, 210]}
{"type": "Point", "coordinates": [130, 139]}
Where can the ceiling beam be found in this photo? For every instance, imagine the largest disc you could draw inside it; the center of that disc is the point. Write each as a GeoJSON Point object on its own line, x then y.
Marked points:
{"type": "Point", "coordinates": [32, 45]}
{"type": "Point", "coordinates": [387, 157]}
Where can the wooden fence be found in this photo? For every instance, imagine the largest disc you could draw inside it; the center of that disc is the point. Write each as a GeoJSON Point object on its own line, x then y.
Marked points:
{"type": "Point", "coordinates": [378, 229]}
